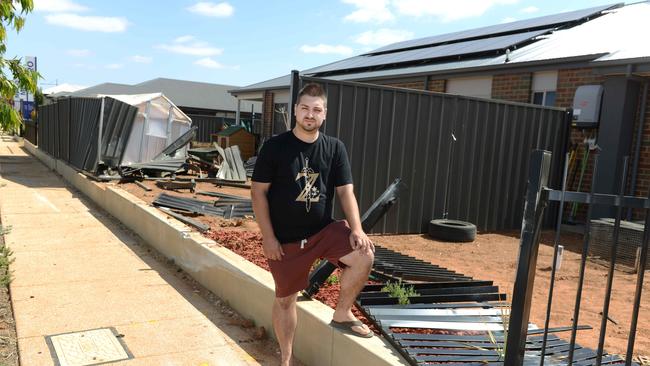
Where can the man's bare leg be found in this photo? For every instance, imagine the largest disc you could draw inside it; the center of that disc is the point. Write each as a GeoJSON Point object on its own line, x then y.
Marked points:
{"type": "Point", "coordinates": [284, 324]}
{"type": "Point", "coordinates": [353, 278]}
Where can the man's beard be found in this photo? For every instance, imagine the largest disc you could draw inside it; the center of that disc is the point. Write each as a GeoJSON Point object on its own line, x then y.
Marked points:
{"type": "Point", "coordinates": [309, 126]}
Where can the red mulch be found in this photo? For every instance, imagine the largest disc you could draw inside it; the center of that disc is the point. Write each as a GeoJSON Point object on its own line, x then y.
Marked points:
{"type": "Point", "coordinates": [437, 331]}
{"type": "Point", "coordinates": [249, 245]}
{"type": "Point", "coordinates": [245, 243]}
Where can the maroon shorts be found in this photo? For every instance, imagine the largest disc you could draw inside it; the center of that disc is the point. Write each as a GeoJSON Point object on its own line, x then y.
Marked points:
{"type": "Point", "coordinates": [292, 272]}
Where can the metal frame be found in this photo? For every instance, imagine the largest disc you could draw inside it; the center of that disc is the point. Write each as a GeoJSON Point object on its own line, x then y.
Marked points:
{"type": "Point", "coordinates": [537, 198]}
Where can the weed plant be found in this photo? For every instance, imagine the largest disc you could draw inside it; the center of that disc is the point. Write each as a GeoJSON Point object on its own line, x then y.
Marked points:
{"type": "Point", "coordinates": [400, 291]}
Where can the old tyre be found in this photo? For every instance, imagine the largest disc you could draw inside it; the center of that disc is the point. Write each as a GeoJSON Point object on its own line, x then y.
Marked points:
{"type": "Point", "coordinates": [452, 230]}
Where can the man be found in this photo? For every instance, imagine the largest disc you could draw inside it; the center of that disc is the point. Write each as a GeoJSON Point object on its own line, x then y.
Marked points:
{"type": "Point", "coordinates": [296, 176]}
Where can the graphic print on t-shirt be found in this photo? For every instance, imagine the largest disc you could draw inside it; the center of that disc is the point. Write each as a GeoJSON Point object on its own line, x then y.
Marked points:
{"type": "Point", "coordinates": [310, 192]}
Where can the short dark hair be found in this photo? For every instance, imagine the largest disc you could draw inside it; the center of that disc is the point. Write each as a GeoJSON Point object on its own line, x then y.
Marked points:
{"type": "Point", "coordinates": [313, 90]}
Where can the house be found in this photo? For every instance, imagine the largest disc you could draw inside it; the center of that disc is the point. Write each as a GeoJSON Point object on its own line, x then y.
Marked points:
{"type": "Point", "coordinates": [210, 106]}
{"type": "Point", "coordinates": [541, 60]}
{"type": "Point", "coordinates": [62, 88]}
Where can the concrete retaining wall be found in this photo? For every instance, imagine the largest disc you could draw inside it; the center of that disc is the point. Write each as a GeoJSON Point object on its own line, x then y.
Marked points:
{"type": "Point", "coordinates": [246, 287]}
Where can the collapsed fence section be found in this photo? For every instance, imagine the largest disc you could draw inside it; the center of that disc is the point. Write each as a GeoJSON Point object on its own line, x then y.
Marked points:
{"type": "Point", "coordinates": [464, 158]}
{"type": "Point", "coordinates": [86, 131]}
{"type": "Point", "coordinates": [100, 135]}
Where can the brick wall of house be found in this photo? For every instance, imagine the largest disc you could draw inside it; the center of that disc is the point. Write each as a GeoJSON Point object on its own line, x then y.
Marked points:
{"type": "Point", "coordinates": [568, 81]}
{"type": "Point", "coordinates": [438, 85]}
{"type": "Point", "coordinates": [512, 87]}
{"type": "Point", "coordinates": [267, 114]}
{"type": "Point", "coordinates": [419, 85]}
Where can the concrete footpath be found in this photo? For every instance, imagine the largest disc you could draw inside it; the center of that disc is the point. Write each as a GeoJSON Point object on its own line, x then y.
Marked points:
{"type": "Point", "coordinates": [77, 270]}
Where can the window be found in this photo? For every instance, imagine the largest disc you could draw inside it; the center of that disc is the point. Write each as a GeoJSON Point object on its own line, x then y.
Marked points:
{"type": "Point", "coordinates": [472, 87]}
{"type": "Point", "coordinates": [544, 88]}
{"type": "Point", "coordinates": [545, 98]}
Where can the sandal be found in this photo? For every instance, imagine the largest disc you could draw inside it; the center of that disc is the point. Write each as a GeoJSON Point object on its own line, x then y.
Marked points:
{"type": "Point", "coordinates": [346, 327]}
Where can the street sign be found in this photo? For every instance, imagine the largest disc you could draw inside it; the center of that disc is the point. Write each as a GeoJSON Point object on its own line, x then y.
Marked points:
{"type": "Point", "coordinates": [26, 110]}
{"type": "Point", "coordinates": [30, 63]}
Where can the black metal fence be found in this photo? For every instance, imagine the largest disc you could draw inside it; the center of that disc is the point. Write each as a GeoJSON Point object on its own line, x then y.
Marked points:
{"type": "Point", "coordinates": [30, 131]}
{"type": "Point", "coordinates": [209, 125]}
{"type": "Point", "coordinates": [70, 130]}
{"type": "Point", "coordinates": [537, 197]}
{"type": "Point", "coordinates": [462, 157]}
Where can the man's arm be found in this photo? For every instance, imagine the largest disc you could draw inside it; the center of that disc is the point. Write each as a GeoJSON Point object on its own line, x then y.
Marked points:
{"type": "Point", "coordinates": [358, 239]}
{"type": "Point", "coordinates": [272, 247]}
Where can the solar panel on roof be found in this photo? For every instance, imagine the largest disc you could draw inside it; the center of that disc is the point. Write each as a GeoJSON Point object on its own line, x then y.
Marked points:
{"type": "Point", "coordinates": [436, 52]}
{"type": "Point", "coordinates": [545, 22]}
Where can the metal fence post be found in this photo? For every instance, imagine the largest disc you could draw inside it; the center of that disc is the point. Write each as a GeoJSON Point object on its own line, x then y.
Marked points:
{"type": "Point", "coordinates": [293, 95]}
{"type": "Point", "coordinates": [536, 200]}
{"type": "Point", "coordinates": [99, 132]}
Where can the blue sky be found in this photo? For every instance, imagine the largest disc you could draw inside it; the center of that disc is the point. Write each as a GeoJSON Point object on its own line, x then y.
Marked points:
{"type": "Point", "coordinates": [87, 42]}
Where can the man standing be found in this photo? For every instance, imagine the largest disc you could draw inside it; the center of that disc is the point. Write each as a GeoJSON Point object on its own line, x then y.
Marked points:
{"type": "Point", "coordinates": [295, 178]}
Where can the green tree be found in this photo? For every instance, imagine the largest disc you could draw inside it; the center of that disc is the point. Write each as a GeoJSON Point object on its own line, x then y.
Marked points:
{"type": "Point", "coordinates": [13, 75]}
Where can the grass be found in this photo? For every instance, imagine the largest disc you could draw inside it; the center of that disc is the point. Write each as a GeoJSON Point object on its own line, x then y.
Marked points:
{"type": "Point", "coordinates": [497, 345]}
{"type": "Point", "coordinates": [500, 348]}
{"type": "Point", "coordinates": [400, 291]}
{"type": "Point", "coordinates": [5, 259]}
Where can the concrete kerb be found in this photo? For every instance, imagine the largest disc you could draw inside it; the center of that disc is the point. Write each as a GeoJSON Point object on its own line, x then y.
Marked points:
{"type": "Point", "coordinates": [49, 161]}
{"type": "Point", "coordinates": [246, 287]}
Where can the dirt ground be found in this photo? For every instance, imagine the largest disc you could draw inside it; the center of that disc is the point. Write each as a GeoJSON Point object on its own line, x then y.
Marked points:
{"type": "Point", "coordinates": [8, 343]}
{"type": "Point", "coordinates": [493, 256]}
{"type": "Point", "coordinates": [8, 346]}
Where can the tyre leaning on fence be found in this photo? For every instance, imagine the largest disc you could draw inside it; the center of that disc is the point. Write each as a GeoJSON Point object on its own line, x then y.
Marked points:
{"type": "Point", "coordinates": [452, 230]}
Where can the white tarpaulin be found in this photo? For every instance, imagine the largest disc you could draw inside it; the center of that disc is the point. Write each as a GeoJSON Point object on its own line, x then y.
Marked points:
{"type": "Point", "coordinates": [158, 123]}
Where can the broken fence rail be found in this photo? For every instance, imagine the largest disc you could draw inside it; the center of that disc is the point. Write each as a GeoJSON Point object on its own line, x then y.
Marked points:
{"type": "Point", "coordinates": [186, 220]}
{"type": "Point", "coordinates": [202, 207]}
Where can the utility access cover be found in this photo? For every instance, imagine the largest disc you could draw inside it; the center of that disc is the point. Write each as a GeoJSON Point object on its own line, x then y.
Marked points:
{"type": "Point", "coordinates": [89, 347]}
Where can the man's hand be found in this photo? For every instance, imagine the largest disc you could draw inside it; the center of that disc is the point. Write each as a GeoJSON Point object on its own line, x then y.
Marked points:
{"type": "Point", "coordinates": [360, 241]}
{"type": "Point", "coordinates": [272, 248]}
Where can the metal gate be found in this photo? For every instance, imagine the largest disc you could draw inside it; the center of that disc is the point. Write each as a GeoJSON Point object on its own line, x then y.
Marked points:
{"type": "Point", "coordinates": [462, 157]}
{"type": "Point", "coordinates": [537, 197]}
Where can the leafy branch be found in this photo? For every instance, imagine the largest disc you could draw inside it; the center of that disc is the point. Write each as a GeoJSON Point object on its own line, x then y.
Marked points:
{"type": "Point", "coordinates": [14, 76]}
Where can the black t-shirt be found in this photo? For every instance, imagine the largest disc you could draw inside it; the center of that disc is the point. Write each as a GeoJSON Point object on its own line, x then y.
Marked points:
{"type": "Point", "coordinates": [303, 178]}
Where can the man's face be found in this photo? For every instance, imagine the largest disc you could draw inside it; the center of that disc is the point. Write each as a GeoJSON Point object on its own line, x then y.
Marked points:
{"type": "Point", "coordinates": [310, 113]}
